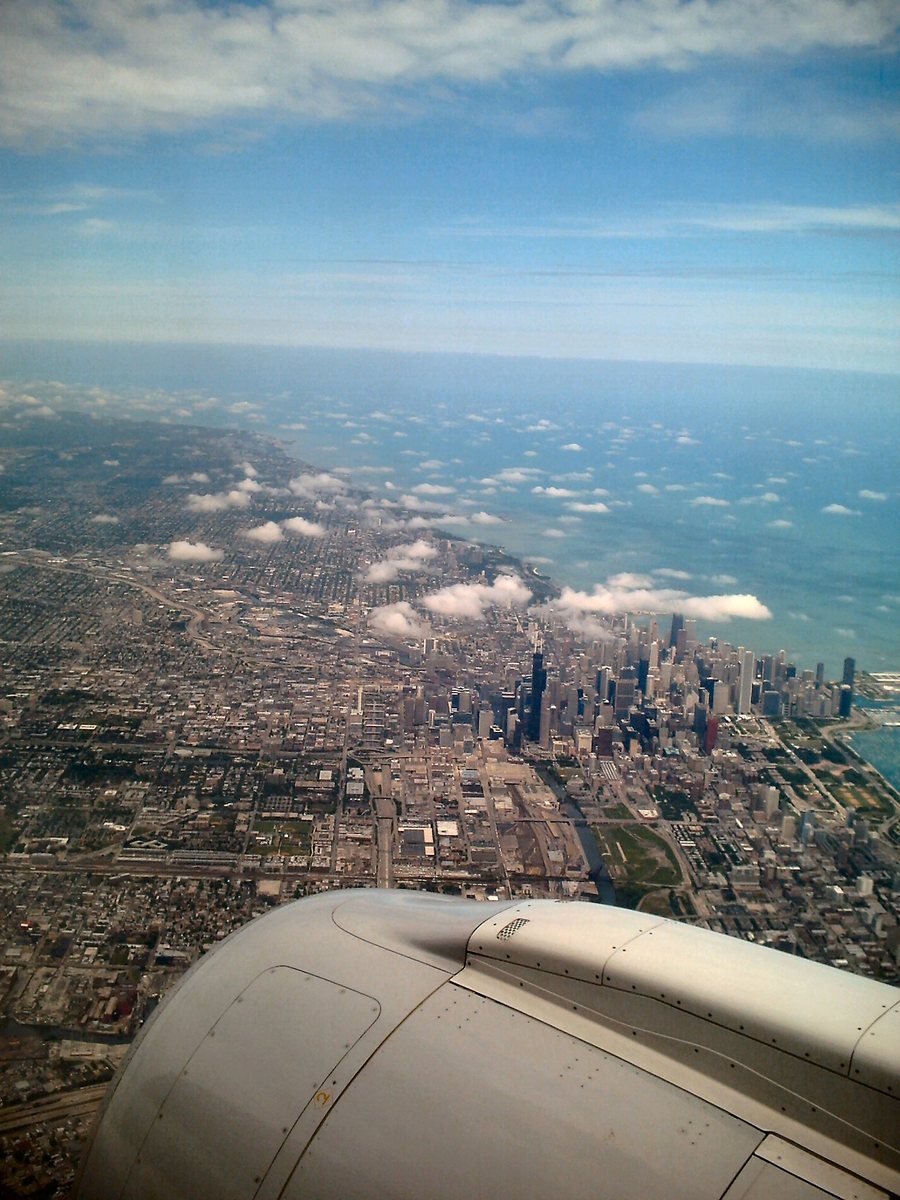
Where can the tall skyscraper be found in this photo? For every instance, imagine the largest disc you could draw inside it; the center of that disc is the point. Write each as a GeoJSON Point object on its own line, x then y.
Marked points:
{"type": "Point", "coordinates": [745, 681]}
{"type": "Point", "coordinates": [849, 671]}
{"type": "Point", "coordinates": [538, 684]}
{"type": "Point", "coordinates": [626, 686]}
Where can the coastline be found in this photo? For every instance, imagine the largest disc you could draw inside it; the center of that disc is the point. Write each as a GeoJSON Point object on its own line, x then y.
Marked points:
{"type": "Point", "coordinates": [465, 419]}
{"type": "Point", "coordinates": [876, 762]}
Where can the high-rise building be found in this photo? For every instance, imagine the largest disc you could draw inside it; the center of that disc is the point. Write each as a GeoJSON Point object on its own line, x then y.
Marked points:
{"type": "Point", "coordinates": [677, 626]}
{"type": "Point", "coordinates": [538, 684]}
{"type": "Point", "coordinates": [626, 686]}
{"type": "Point", "coordinates": [849, 671]}
{"type": "Point", "coordinates": [548, 712]}
{"type": "Point", "coordinates": [710, 734]}
{"type": "Point", "coordinates": [745, 681]}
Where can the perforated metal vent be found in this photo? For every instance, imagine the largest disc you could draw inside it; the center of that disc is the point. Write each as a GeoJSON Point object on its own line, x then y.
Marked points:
{"type": "Point", "coordinates": [508, 930]}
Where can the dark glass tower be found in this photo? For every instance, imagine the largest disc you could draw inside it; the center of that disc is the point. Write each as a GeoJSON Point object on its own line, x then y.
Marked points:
{"type": "Point", "coordinates": [538, 683]}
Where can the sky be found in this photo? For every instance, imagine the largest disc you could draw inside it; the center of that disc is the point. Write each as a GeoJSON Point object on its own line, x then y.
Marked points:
{"type": "Point", "coordinates": [710, 181]}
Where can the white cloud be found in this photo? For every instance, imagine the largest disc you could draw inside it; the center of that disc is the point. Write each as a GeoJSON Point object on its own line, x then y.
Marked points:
{"type": "Point", "coordinates": [217, 501]}
{"type": "Point", "coordinates": [305, 528]}
{"type": "Point", "coordinates": [308, 486]}
{"type": "Point", "coordinates": [724, 580]}
{"type": "Point", "coordinates": [411, 557]}
{"type": "Point", "coordinates": [630, 593]}
{"type": "Point", "coordinates": [799, 218]}
{"type": "Point", "coordinates": [408, 500]}
{"type": "Point", "coordinates": [515, 475]}
{"type": "Point", "coordinates": [267, 533]}
{"type": "Point", "coordinates": [41, 410]}
{"type": "Point", "coordinates": [553, 492]}
{"type": "Point", "coordinates": [553, 532]}
{"type": "Point", "coordinates": [574, 446]}
{"type": "Point", "coordinates": [181, 63]}
{"type": "Point", "coordinates": [648, 489]}
{"type": "Point", "coordinates": [471, 601]}
{"type": "Point", "coordinates": [841, 510]}
{"type": "Point", "coordinates": [866, 494]}
{"type": "Point", "coordinates": [397, 620]}
{"type": "Point", "coordinates": [485, 518]}
{"type": "Point", "coordinates": [433, 489]}
{"type": "Point", "coordinates": [630, 579]}
{"type": "Point", "coordinates": [674, 573]}
{"type": "Point", "coordinates": [582, 507]}
{"type": "Point", "coordinates": [710, 502]}
{"type": "Point", "coordinates": [184, 551]}
{"type": "Point", "coordinates": [780, 523]}
{"type": "Point", "coordinates": [249, 485]}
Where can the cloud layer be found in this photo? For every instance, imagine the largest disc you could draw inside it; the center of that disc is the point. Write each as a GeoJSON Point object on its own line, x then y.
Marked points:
{"type": "Point", "coordinates": [397, 620]}
{"type": "Point", "coordinates": [628, 593]}
{"type": "Point", "coordinates": [185, 551]}
{"type": "Point", "coordinates": [267, 533]}
{"type": "Point", "coordinates": [88, 68]}
{"type": "Point", "coordinates": [411, 557]}
{"type": "Point", "coordinates": [218, 501]}
{"type": "Point", "coordinates": [471, 601]}
{"type": "Point", "coordinates": [304, 528]}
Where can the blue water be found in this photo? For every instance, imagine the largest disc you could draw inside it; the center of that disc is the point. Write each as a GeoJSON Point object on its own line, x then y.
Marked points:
{"type": "Point", "coordinates": [880, 747]}
{"type": "Point", "coordinates": [717, 480]}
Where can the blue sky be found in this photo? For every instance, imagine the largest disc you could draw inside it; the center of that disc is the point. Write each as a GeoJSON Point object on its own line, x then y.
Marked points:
{"type": "Point", "coordinates": [626, 179]}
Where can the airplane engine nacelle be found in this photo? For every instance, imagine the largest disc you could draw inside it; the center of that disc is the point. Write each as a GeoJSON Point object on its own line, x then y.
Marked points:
{"type": "Point", "coordinates": [367, 1044]}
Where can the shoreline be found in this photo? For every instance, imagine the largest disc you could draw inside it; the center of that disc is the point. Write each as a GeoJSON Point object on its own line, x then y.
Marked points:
{"type": "Point", "coordinates": [845, 741]}
{"type": "Point", "coordinates": [301, 398]}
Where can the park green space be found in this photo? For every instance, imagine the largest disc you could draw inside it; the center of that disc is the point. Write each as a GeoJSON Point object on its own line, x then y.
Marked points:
{"type": "Point", "coordinates": [637, 856]}
{"type": "Point", "coordinates": [281, 837]}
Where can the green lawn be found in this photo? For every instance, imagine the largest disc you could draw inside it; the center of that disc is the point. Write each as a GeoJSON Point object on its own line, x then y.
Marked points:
{"type": "Point", "coordinates": [637, 855]}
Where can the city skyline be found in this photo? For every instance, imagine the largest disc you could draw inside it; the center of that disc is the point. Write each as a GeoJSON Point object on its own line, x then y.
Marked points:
{"type": "Point", "coordinates": [643, 181]}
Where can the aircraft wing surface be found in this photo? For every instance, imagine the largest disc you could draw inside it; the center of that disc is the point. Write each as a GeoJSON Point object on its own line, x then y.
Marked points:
{"type": "Point", "coordinates": [368, 1044]}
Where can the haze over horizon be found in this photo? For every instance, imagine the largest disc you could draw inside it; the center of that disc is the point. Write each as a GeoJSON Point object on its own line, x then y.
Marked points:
{"type": "Point", "coordinates": [649, 181]}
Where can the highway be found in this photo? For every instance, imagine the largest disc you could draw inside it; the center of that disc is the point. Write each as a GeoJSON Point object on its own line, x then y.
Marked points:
{"type": "Point", "coordinates": [58, 1107]}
